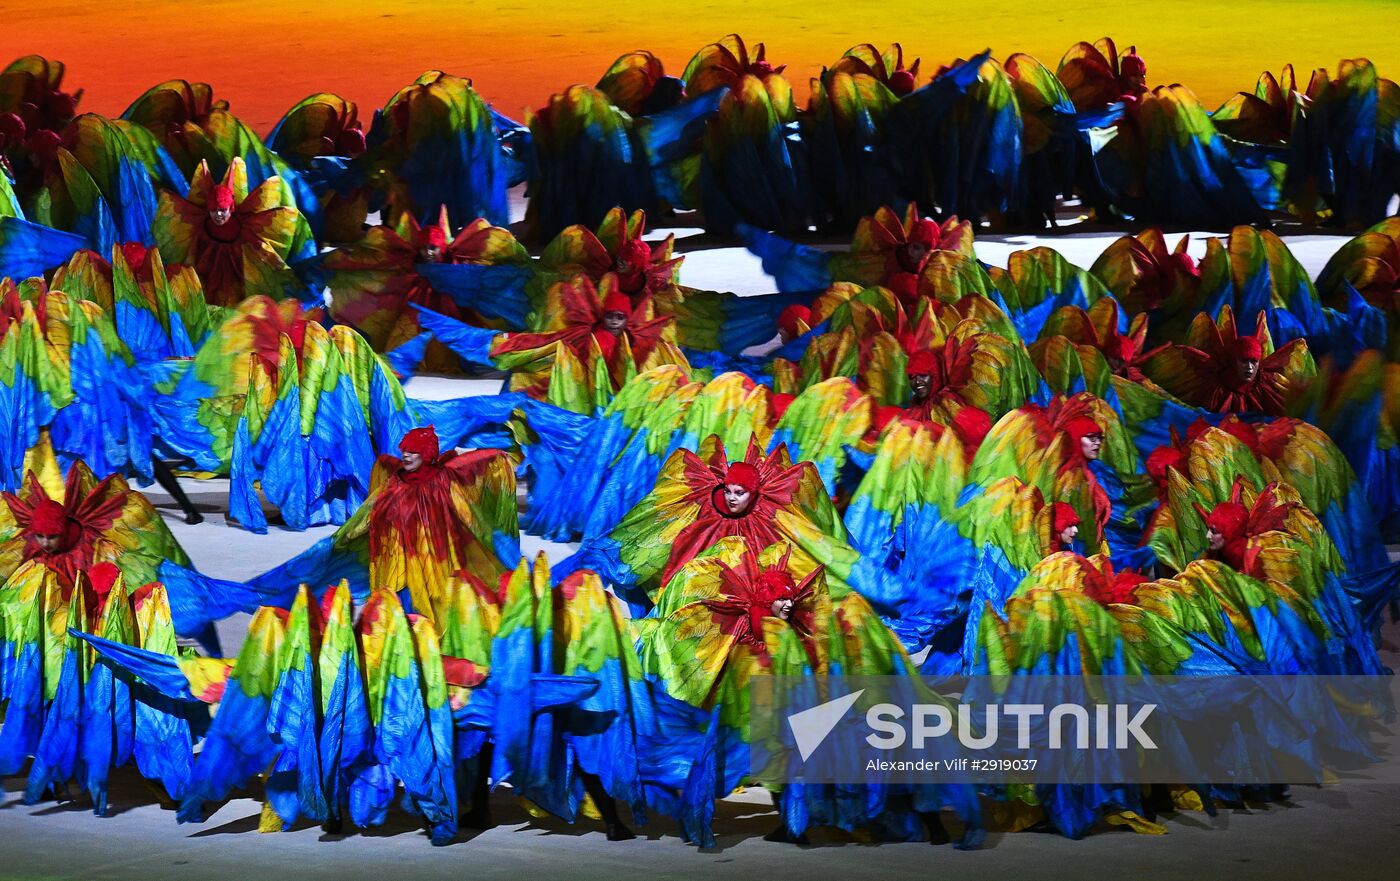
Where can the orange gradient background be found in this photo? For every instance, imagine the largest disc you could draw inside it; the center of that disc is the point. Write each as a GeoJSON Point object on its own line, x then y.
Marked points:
{"type": "Point", "coordinates": [262, 58]}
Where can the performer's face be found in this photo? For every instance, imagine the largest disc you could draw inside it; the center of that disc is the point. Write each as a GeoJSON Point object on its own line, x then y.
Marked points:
{"type": "Point", "coordinates": [220, 216]}
{"type": "Point", "coordinates": [782, 608]}
{"type": "Point", "coordinates": [1069, 534]}
{"type": "Point", "coordinates": [429, 254]}
{"type": "Point", "coordinates": [412, 461]}
{"type": "Point", "coordinates": [736, 498]}
{"type": "Point", "coordinates": [1215, 539]}
{"type": "Point", "coordinates": [917, 251]}
{"type": "Point", "coordinates": [919, 384]}
{"type": "Point", "coordinates": [614, 322]}
{"type": "Point", "coordinates": [1246, 369]}
{"type": "Point", "coordinates": [1090, 445]}
{"type": "Point", "coordinates": [49, 544]}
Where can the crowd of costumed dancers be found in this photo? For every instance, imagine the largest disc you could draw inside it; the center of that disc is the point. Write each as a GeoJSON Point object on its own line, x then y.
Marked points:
{"type": "Point", "coordinates": [902, 461]}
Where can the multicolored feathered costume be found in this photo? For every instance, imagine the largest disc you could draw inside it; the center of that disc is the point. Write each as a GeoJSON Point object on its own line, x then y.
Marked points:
{"type": "Point", "coordinates": [178, 114]}
{"type": "Point", "coordinates": [605, 341]}
{"type": "Point", "coordinates": [735, 615]}
{"type": "Point", "coordinates": [512, 295]}
{"type": "Point", "coordinates": [1094, 330]}
{"type": "Point", "coordinates": [1269, 535]}
{"type": "Point", "coordinates": [239, 242]}
{"type": "Point", "coordinates": [903, 517]}
{"type": "Point", "coordinates": [308, 702]}
{"type": "Point", "coordinates": [516, 294]}
{"type": "Point", "coordinates": [451, 512]}
{"type": "Point", "coordinates": [90, 722]}
{"type": "Point", "coordinates": [64, 544]}
{"type": "Point", "coordinates": [967, 158]}
{"type": "Point", "coordinates": [1367, 267]}
{"type": "Point", "coordinates": [69, 380]}
{"type": "Point", "coordinates": [1345, 167]}
{"type": "Point", "coordinates": [1077, 451]}
{"type": "Point", "coordinates": [1224, 371]}
{"type": "Point", "coordinates": [94, 187]}
{"type": "Point", "coordinates": [185, 120]}
{"type": "Point", "coordinates": [31, 88]}
{"type": "Point", "coordinates": [1143, 275]}
{"type": "Point", "coordinates": [701, 498]}
{"type": "Point", "coordinates": [614, 459]}
{"type": "Point", "coordinates": [276, 401]}
{"type": "Point", "coordinates": [1164, 159]}
{"type": "Point", "coordinates": [1038, 282]}
{"type": "Point", "coordinates": [320, 137]}
{"type": "Point", "coordinates": [337, 712]}
{"type": "Point", "coordinates": [375, 283]}
{"type": "Point", "coordinates": [1253, 271]}
{"type": "Point", "coordinates": [158, 313]}
{"type": "Point", "coordinates": [1359, 408]}
{"type": "Point", "coordinates": [82, 521]}
{"type": "Point", "coordinates": [427, 517]}
{"type": "Point", "coordinates": [1058, 140]}
{"type": "Point", "coordinates": [1281, 450]}
{"type": "Point", "coordinates": [843, 126]}
{"type": "Point", "coordinates": [625, 740]}
{"type": "Point", "coordinates": [435, 145]}
{"type": "Point", "coordinates": [1096, 351]}
{"type": "Point", "coordinates": [200, 400]}
{"type": "Point", "coordinates": [750, 171]}
{"type": "Point", "coordinates": [889, 249]}
{"type": "Point", "coordinates": [1077, 616]}
{"type": "Point", "coordinates": [536, 686]}
{"type": "Point", "coordinates": [588, 158]}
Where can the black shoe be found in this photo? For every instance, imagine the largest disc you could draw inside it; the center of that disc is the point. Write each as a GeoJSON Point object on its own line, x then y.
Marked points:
{"type": "Point", "coordinates": [1158, 801]}
{"type": "Point", "coordinates": [475, 819]}
{"type": "Point", "coordinates": [933, 824]}
{"type": "Point", "coordinates": [333, 826]}
{"type": "Point", "coordinates": [781, 835]}
{"type": "Point", "coordinates": [619, 832]}
{"type": "Point", "coordinates": [194, 517]}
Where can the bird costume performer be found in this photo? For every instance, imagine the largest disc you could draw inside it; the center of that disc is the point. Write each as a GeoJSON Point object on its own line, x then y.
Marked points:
{"type": "Point", "coordinates": [239, 242]}
{"type": "Point", "coordinates": [518, 294]}
{"type": "Point", "coordinates": [320, 137]}
{"type": "Point", "coordinates": [1224, 371]}
{"type": "Point", "coordinates": [64, 542]}
{"type": "Point", "coordinates": [613, 459]}
{"type": "Point", "coordinates": [735, 615]}
{"type": "Point", "coordinates": [604, 342]}
{"type": "Point", "coordinates": [1165, 160]}
{"type": "Point", "coordinates": [701, 498]}
{"type": "Point", "coordinates": [375, 282]}
{"type": "Point", "coordinates": [430, 514]}
{"type": "Point", "coordinates": [889, 248]}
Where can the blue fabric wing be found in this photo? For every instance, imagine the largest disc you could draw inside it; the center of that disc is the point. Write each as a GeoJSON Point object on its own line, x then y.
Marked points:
{"type": "Point", "coordinates": [496, 291]}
